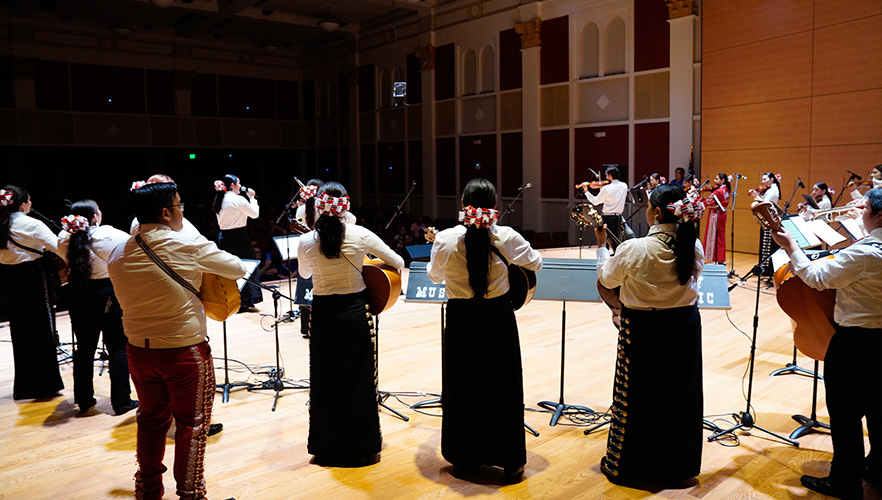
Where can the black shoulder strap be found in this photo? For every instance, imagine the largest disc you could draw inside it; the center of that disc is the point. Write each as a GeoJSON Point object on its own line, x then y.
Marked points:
{"type": "Point", "coordinates": [26, 248]}
{"type": "Point", "coordinates": [162, 265]}
{"type": "Point", "coordinates": [498, 254]}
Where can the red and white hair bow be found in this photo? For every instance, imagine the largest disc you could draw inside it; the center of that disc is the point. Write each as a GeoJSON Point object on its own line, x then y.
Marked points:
{"type": "Point", "coordinates": [73, 223]}
{"type": "Point", "coordinates": [688, 208]}
{"type": "Point", "coordinates": [662, 180]}
{"type": "Point", "coordinates": [220, 186]}
{"type": "Point", "coordinates": [5, 197]}
{"type": "Point", "coordinates": [478, 217]}
{"type": "Point", "coordinates": [330, 205]}
{"type": "Point", "coordinates": [778, 177]}
{"type": "Point", "coordinates": [831, 190]}
{"type": "Point", "coordinates": [138, 184]}
{"type": "Point", "coordinates": [307, 192]}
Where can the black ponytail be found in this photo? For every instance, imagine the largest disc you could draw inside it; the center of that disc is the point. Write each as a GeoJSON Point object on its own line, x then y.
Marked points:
{"type": "Point", "coordinates": [725, 178]}
{"type": "Point", "coordinates": [19, 196]}
{"type": "Point", "coordinates": [330, 229]}
{"type": "Point", "coordinates": [228, 181]}
{"type": "Point", "coordinates": [684, 249]}
{"type": "Point", "coordinates": [79, 259]}
{"type": "Point", "coordinates": [478, 193]}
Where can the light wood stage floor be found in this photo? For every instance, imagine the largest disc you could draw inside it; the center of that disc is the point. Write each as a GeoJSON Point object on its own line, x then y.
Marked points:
{"type": "Point", "coordinates": [49, 451]}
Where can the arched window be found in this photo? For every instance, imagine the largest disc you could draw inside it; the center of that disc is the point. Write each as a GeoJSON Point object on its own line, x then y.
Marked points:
{"type": "Point", "coordinates": [385, 89]}
{"type": "Point", "coordinates": [615, 47]}
{"type": "Point", "coordinates": [487, 69]}
{"type": "Point", "coordinates": [590, 56]}
{"type": "Point", "coordinates": [469, 72]}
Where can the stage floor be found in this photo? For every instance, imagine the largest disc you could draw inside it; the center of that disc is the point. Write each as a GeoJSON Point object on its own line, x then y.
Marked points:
{"type": "Point", "coordinates": [52, 452]}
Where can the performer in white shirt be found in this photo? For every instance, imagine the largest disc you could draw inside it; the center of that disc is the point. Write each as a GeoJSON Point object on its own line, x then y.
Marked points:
{"type": "Point", "coordinates": [852, 371]}
{"type": "Point", "coordinates": [234, 207]}
{"type": "Point", "coordinates": [480, 351]}
{"type": "Point", "coordinates": [306, 211]}
{"type": "Point", "coordinates": [342, 366]}
{"type": "Point", "coordinates": [612, 195]}
{"type": "Point", "coordinates": [822, 196]}
{"type": "Point", "coordinates": [169, 356]}
{"type": "Point", "coordinates": [29, 293]}
{"type": "Point", "coordinates": [94, 309]}
{"type": "Point", "coordinates": [655, 435]}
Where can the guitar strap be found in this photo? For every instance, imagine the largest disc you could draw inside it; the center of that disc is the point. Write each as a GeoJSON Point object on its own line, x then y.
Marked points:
{"type": "Point", "coordinates": [27, 248]}
{"type": "Point", "coordinates": [162, 265]}
{"type": "Point", "coordinates": [498, 254]}
{"type": "Point", "coordinates": [667, 239]}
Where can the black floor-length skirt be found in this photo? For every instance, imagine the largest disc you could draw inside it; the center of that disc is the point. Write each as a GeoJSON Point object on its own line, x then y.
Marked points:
{"type": "Point", "coordinates": [482, 385]}
{"type": "Point", "coordinates": [237, 242]}
{"type": "Point", "coordinates": [32, 326]}
{"type": "Point", "coordinates": [344, 421]}
{"type": "Point", "coordinates": [655, 434]}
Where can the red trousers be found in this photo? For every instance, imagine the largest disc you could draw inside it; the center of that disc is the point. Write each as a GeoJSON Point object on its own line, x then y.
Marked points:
{"type": "Point", "coordinates": [174, 384]}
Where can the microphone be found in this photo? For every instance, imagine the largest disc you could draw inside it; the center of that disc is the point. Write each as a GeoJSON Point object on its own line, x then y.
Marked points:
{"type": "Point", "coordinates": [739, 176]}
{"type": "Point", "coordinates": [413, 183]}
{"type": "Point", "coordinates": [525, 186]}
{"type": "Point", "coordinates": [799, 181]}
{"type": "Point", "coordinates": [854, 175]}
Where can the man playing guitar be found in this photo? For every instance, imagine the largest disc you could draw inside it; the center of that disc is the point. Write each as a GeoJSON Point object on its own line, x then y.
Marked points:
{"type": "Point", "coordinates": [852, 372]}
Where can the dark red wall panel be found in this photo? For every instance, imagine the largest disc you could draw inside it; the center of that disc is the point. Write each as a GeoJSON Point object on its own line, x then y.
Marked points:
{"type": "Point", "coordinates": [391, 167]}
{"type": "Point", "coordinates": [477, 158]}
{"type": "Point", "coordinates": [512, 164]}
{"type": "Point", "coordinates": [445, 72]}
{"type": "Point", "coordinates": [445, 163]}
{"type": "Point", "coordinates": [554, 66]}
{"type": "Point", "coordinates": [652, 36]}
{"type": "Point", "coordinates": [555, 158]}
{"type": "Point", "coordinates": [598, 146]}
{"type": "Point", "coordinates": [510, 72]}
{"type": "Point", "coordinates": [651, 149]}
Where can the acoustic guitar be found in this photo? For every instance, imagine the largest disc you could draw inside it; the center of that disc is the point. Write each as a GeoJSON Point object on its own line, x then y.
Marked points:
{"type": "Point", "coordinates": [586, 215]}
{"type": "Point", "coordinates": [297, 226]}
{"type": "Point", "coordinates": [810, 309]}
{"type": "Point", "coordinates": [383, 284]}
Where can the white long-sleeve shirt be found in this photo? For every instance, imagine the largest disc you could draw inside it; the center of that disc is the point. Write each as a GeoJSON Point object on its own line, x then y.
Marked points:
{"type": "Point", "coordinates": [236, 210]}
{"type": "Point", "coordinates": [448, 260]}
{"type": "Point", "coordinates": [646, 269]}
{"type": "Point", "coordinates": [104, 239]}
{"type": "Point", "coordinates": [612, 196]}
{"type": "Point", "coordinates": [856, 274]}
{"type": "Point", "coordinates": [343, 275]}
{"type": "Point", "coordinates": [155, 306]}
{"type": "Point", "coordinates": [31, 233]}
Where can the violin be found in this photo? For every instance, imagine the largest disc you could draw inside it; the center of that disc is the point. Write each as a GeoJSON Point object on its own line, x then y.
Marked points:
{"type": "Point", "coordinates": [758, 191]}
{"type": "Point", "coordinates": [592, 185]}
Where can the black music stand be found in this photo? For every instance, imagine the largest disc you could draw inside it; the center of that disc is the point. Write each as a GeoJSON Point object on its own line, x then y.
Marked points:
{"type": "Point", "coordinates": [287, 246]}
{"type": "Point", "coordinates": [809, 424]}
{"type": "Point", "coordinates": [563, 280]}
{"type": "Point", "coordinates": [250, 266]}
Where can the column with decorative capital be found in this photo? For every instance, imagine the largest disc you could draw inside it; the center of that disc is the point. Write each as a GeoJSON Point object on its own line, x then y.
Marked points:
{"type": "Point", "coordinates": [531, 208]}
{"type": "Point", "coordinates": [682, 19]}
{"type": "Point", "coordinates": [427, 66]}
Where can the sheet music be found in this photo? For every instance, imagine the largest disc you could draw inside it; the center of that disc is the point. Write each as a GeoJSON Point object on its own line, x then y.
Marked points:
{"type": "Point", "coordinates": [854, 228]}
{"type": "Point", "coordinates": [250, 266]}
{"type": "Point", "coordinates": [800, 230]}
{"type": "Point", "coordinates": [779, 259]}
{"type": "Point", "coordinates": [286, 244]}
{"type": "Point", "coordinates": [825, 232]}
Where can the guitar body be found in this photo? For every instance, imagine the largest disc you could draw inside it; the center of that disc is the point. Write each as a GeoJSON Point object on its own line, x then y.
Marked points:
{"type": "Point", "coordinates": [811, 309]}
{"type": "Point", "coordinates": [610, 297]}
{"type": "Point", "coordinates": [522, 286]}
{"type": "Point", "coordinates": [383, 284]}
{"type": "Point", "coordinates": [219, 296]}
{"type": "Point", "coordinates": [297, 226]}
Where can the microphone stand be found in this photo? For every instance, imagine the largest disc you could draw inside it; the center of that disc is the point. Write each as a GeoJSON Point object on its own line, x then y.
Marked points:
{"type": "Point", "coordinates": [732, 234]}
{"type": "Point", "coordinates": [398, 208]}
{"type": "Point", "coordinates": [841, 190]}
{"type": "Point", "coordinates": [508, 208]}
{"type": "Point", "coordinates": [798, 185]}
{"type": "Point", "coordinates": [745, 419]}
{"type": "Point", "coordinates": [275, 383]}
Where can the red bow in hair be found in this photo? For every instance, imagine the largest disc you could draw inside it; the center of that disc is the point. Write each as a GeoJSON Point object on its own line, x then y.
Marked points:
{"type": "Point", "coordinates": [479, 217]}
{"type": "Point", "coordinates": [73, 223]}
{"type": "Point", "coordinates": [138, 184]}
{"type": "Point", "coordinates": [220, 186]}
{"type": "Point", "coordinates": [688, 208]}
{"type": "Point", "coordinates": [5, 197]}
{"type": "Point", "coordinates": [330, 205]}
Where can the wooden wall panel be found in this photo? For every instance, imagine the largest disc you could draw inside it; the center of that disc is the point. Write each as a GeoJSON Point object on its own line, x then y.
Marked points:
{"type": "Point", "coordinates": [767, 125]}
{"type": "Point", "coordinates": [848, 56]}
{"type": "Point", "coordinates": [766, 71]}
{"type": "Point", "coordinates": [829, 163]}
{"type": "Point", "coordinates": [510, 110]}
{"type": "Point", "coordinates": [751, 163]}
{"type": "Point", "coordinates": [445, 118]}
{"type": "Point", "coordinates": [829, 12]}
{"type": "Point", "coordinates": [853, 118]}
{"type": "Point", "coordinates": [652, 96]}
{"type": "Point", "coordinates": [554, 105]}
{"type": "Point", "coordinates": [729, 24]}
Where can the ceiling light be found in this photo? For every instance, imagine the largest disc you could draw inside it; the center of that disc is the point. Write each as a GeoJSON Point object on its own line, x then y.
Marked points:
{"type": "Point", "coordinates": [121, 31]}
{"type": "Point", "coordinates": [328, 26]}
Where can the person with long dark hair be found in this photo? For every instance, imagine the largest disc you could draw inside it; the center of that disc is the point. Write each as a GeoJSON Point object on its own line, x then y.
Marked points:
{"type": "Point", "coordinates": [480, 351]}
{"type": "Point", "coordinates": [715, 231]}
{"type": "Point", "coordinates": [768, 191]}
{"type": "Point", "coordinates": [822, 195]}
{"type": "Point", "coordinates": [342, 366]}
{"type": "Point", "coordinates": [658, 361]}
{"type": "Point", "coordinates": [28, 291]}
{"type": "Point", "coordinates": [94, 310]}
{"type": "Point", "coordinates": [234, 206]}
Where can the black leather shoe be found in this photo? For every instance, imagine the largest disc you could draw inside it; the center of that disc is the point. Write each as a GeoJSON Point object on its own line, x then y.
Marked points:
{"type": "Point", "coordinates": [84, 407]}
{"type": "Point", "coordinates": [119, 410]}
{"type": "Point", "coordinates": [215, 429]}
{"type": "Point", "coordinates": [825, 486]}
{"type": "Point", "coordinates": [514, 474]}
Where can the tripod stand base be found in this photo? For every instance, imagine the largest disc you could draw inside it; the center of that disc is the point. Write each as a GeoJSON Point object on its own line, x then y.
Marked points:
{"type": "Point", "coordinates": [277, 385]}
{"type": "Point", "coordinates": [748, 424]}
{"type": "Point", "coordinates": [560, 408]}
{"type": "Point", "coordinates": [809, 424]}
{"type": "Point", "coordinates": [227, 387]}
{"type": "Point", "coordinates": [429, 403]}
{"type": "Point", "coordinates": [794, 369]}
{"type": "Point", "coordinates": [382, 397]}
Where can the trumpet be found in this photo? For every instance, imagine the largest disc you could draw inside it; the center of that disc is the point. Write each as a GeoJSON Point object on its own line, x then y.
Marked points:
{"type": "Point", "coordinates": [833, 214]}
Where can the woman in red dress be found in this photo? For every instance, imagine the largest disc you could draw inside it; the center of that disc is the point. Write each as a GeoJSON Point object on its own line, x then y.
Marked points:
{"type": "Point", "coordinates": [715, 234]}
